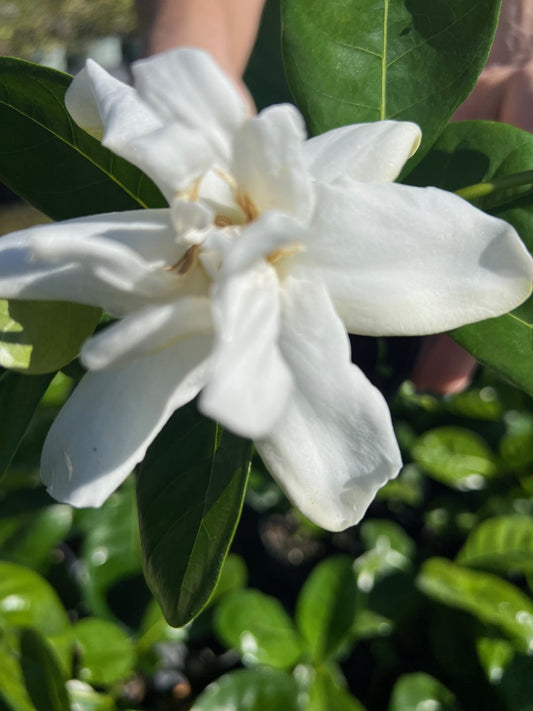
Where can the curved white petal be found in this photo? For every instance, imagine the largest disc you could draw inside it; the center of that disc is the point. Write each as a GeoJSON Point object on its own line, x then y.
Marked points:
{"type": "Point", "coordinates": [111, 418]}
{"type": "Point", "coordinates": [186, 85]}
{"type": "Point", "coordinates": [250, 382]}
{"type": "Point", "coordinates": [268, 163]}
{"type": "Point", "coordinates": [334, 445]}
{"type": "Point", "coordinates": [98, 260]}
{"type": "Point", "coordinates": [268, 237]}
{"type": "Point", "coordinates": [147, 331]}
{"type": "Point", "coordinates": [399, 260]}
{"type": "Point", "coordinates": [368, 152]}
{"type": "Point", "coordinates": [171, 154]}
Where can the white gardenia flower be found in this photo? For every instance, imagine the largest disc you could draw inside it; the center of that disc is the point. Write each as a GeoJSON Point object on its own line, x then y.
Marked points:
{"type": "Point", "coordinates": [243, 290]}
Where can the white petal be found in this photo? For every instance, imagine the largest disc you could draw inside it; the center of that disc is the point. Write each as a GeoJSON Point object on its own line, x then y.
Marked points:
{"type": "Point", "coordinates": [368, 152]}
{"type": "Point", "coordinates": [269, 164]}
{"type": "Point", "coordinates": [399, 260]}
{"type": "Point", "coordinates": [272, 233]}
{"type": "Point", "coordinates": [111, 418]}
{"type": "Point", "coordinates": [172, 155]}
{"type": "Point", "coordinates": [146, 332]}
{"type": "Point", "coordinates": [334, 445]}
{"type": "Point", "coordinates": [250, 382]}
{"type": "Point", "coordinates": [187, 85]}
{"type": "Point", "coordinates": [90, 261]}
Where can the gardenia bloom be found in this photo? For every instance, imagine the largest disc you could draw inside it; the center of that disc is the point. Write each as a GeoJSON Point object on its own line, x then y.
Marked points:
{"type": "Point", "coordinates": [243, 290]}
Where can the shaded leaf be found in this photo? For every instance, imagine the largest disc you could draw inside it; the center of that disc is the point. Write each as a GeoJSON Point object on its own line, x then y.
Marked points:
{"type": "Point", "coordinates": [43, 677]}
{"type": "Point", "coordinates": [190, 491]}
{"type": "Point", "coordinates": [421, 691]}
{"type": "Point", "coordinates": [326, 693]}
{"type": "Point", "coordinates": [489, 598]}
{"type": "Point", "coordinates": [106, 653]}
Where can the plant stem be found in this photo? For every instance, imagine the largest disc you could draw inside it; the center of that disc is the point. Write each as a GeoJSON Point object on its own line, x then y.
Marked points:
{"type": "Point", "coordinates": [473, 192]}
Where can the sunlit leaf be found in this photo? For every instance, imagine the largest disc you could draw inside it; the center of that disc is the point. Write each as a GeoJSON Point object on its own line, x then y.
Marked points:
{"type": "Point", "coordinates": [500, 544]}
{"type": "Point", "coordinates": [106, 653]}
{"type": "Point", "coordinates": [421, 691]}
{"type": "Point", "coordinates": [43, 677]}
{"type": "Point", "coordinates": [250, 690]}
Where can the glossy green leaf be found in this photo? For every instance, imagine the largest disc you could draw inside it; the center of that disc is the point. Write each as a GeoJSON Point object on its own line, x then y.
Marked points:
{"type": "Point", "coordinates": [106, 653]}
{"type": "Point", "coordinates": [30, 537]}
{"type": "Point", "coordinates": [250, 690]}
{"type": "Point", "coordinates": [84, 698]}
{"type": "Point", "coordinates": [13, 693]}
{"type": "Point", "coordinates": [353, 61]}
{"type": "Point", "coordinates": [27, 600]}
{"type": "Point", "coordinates": [489, 598]}
{"type": "Point", "coordinates": [326, 607]}
{"type": "Point", "coordinates": [47, 159]}
{"type": "Point", "coordinates": [421, 691]}
{"type": "Point", "coordinates": [42, 675]}
{"type": "Point", "coordinates": [377, 533]}
{"type": "Point", "coordinates": [190, 491]}
{"type": "Point", "coordinates": [494, 655]}
{"type": "Point", "coordinates": [259, 628]}
{"type": "Point", "coordinates": [501, 544]}
{"type": "Point", "coordinates": [469, 153]}
{"type": "Point", "coordinates": [477, 404]}
{"type": "Point", "coordinates": [43, 336]}
{"type": "Point", "coordinates": [516, 446]}
{"type": "Point", "coordinates": [111, 548]}
{"type": "Point", "coordinates": [325, 693]}
{"type": "Point", "coordinates": [19, 397]}
{"type": "Point", "coordinates": [456, 457]}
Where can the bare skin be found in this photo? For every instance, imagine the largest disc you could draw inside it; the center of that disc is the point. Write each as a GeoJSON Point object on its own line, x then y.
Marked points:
{"type": "Point", "coordinates": [504, 92]}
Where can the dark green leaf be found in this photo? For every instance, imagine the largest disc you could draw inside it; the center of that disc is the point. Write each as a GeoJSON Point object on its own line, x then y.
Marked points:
{"type": "Point", "coordinates": [258, 626]}
{"type": "Point", "coordinates": [500, 544]}
{"type": "Point", "coordinates": [42, 675]}
{"type": "Point", "coordinates": [190, 491]}
{"type": "Point", "coordinates": [326, 607]}
{"type": "Point", "coordinates": [13, 693]}
{"type": "Point", "coordinates": [466, 154]}
{"type": "Point", "coordinates": [491, 599]}
{"type": "Point", "coordinates": [421, 691]}
{"type": "Point", "coordinates": [106, 653]}
{"type": "Point", "coordinates": [456, 457]}
{"type": "Point", "coordinates": [51, 162]}
{"type": "Point", "coordinates": [250, 690]}
{"type": "Point", "coordinates": [19, 397]}
{"type": "Point", "coordinates": [352, 61]}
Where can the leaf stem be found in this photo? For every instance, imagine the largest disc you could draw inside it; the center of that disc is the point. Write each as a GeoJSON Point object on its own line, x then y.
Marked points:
{"type": "Point", "coordinates": [479, 190]}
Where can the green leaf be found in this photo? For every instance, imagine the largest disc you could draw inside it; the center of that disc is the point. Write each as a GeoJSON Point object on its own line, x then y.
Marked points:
{"type": "Point", "coordinates": [325, 693]}
{"type": "Point", "coordinates": [326, 607]}
{"type": "Point", "coordinates": [516, 446]}
{"type": "Point", "coordinates": [13, 693]}
{"type": "Point", "coordinates": [489, 598]}
{"type": "Point", "coordinates": [106, 653]}
{"type": "Point", "coordinates": [469, 153]}
{"type": "Point", "coordinates": [27, 600]}
{"type": "Point", "coordinates": [190, 491]}
{"type": "Point", "coordinates": [456, 457]}
{"type": "Point", "coordinates": [250, 690]}
{"type": "Point", "coordinates": [233, 576]}
{"type": "Point", "coordinates": [377, 533]}
{"type": "Point", "coordinates": [19, 397]}
{"type": "Point", "coordinates": [84, 698]}
{"type": "Point", "coordinates": [29, 538]}
{"type": "Point", "coordinates": [48, 160]}
{"type": "Point", "coordinates": [421, 691]}
{"type": "Point", "coordinates": [494, 656]}
{"type": "Point", "coordinates": [42, 675]}
{"type": "Point", "coordinates": [353, 61]}
{"type": "Point", "coordinates": [501, 544]}
{"type": "Point", "coordinates": [42, 336]}
{"type": "Point", "coordinates": [259, 628]}
{"type": "Point", "coordinates": [111, 549]}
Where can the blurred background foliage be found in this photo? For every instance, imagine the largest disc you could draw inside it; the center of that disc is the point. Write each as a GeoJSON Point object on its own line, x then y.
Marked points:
{"type": "Point", "coordinates": [26, 26]}
{"type": "Point", "coordinates": [426, 605]}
